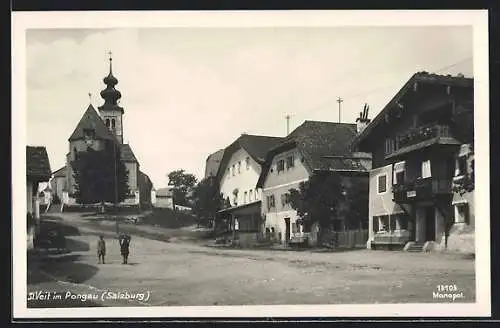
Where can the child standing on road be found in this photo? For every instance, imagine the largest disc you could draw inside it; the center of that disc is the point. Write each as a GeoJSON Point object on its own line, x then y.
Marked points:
{"type": "Point", "coordinates": [101, 249]}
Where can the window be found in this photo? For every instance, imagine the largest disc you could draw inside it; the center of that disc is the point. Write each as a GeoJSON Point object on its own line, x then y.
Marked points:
{"type": "Point", "coordinates": [270, 202]}
{"type": "Point", "coordinates": [247, 162]}
{"type": "Point", "coordinates": [234, 169]}
{"type": "Point", "coordinates": [462, 213]}
{"type": "Point", "coordinates": [383, 223]}
{"type": "Point", "coordinates": [390, 146]}
{"type": "Point", "coordinates": [75, 153]}
{"type": "Point", "coordinates": [281, 165]}
{"type": "Point", "coordinates": [250, 194]}
{"type": "Point", "coordinates": [382, 183]}
{"type": "Point", "coordinates": [107, 122]}
{"type": "Point", "coordinates": [285, 199]}
{"type": "Point", "coordinates": [461, 166]}
{"type": "Point", "coordinates": [380, 223]}
{"type": "Point", "coordinates": [256, 195]}
{"type": "Point", "coordinates": [89, 133]}
{"type": "Point", "coordinates": [245, 195]}
{"type": "Point", "coordinates": [228, 173]}
{"type": "Point", "coordinates": [426, 169]}
{"type": "Point", "coordinates": [289, 162]}
{"type": "Point", "coordinates": [239, 167]}
{"type": "Point", "coordinates": [399, 173]}
{"type": "Point", "coordinates": [113, 124]}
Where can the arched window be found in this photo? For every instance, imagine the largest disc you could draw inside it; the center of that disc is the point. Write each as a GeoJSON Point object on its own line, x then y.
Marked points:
{"type": "Point", "coordinates": [75, 153]}
{"type": "Point", "coordinates": [113, 124]}
{"type": "Point", "coordinates": [107, 122]}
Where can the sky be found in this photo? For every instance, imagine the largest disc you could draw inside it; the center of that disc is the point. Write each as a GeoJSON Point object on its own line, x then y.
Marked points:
{"type": "Point", "coordinates": [188, 92]}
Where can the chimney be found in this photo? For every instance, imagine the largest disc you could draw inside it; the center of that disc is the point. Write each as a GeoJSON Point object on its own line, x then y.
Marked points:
{"type": "Point", "coordinates": [362, 121]}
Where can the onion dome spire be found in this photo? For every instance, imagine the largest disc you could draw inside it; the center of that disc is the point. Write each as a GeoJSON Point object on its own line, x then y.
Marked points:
{"type": "Point", "coordinates": [110, 94]}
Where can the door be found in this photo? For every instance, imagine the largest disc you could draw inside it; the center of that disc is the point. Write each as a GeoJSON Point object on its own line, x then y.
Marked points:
{"type": "Point", "coordinates": [430, 224]}
{"type": "Point", "coordinates": [287, 230]}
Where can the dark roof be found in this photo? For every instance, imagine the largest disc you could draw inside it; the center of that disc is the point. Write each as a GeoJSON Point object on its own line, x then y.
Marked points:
{"type": "Point", "coordinates": [256, 146]}
{"type": "Point", "coordinates": [213, 162]}
{"type": "Point", "coordinates": [324, 146]}
{"type": "Point", "coordinates": [164, 192]}
{"type": "Point", "coordinates": [127, 154]}
{"type": "Point", "coordinates": [60, 173]}
{"type": "Point", "coordinates": [37, 163]}
{"type": "Point", "coordinates": [419, 77]}
{"type": "Point", "coordinates": [92, 120]}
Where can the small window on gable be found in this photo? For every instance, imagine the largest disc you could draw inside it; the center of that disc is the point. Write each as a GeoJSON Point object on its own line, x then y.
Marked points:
{"type": "Point", "coordinates": [290, 162]}
{"type": "Point", "coordinates": [245, 197]}
{"type": "Point", "coordinates": [239, 167]}
{"type": "Point", "coordinates": [382, 183]}
{"type": "Point", "coordinates": [280, 165]}
{"type": "Point", "coordinates": [247, 162]}
{"type": "Point", "coordinates": [250, 195]}
{"type": "Point", "coordinates": [89, 133]}
{"type": "Point", "coordinates": [234, 169]}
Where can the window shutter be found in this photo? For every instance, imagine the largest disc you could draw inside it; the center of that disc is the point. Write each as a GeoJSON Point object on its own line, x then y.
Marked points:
{"type": "Point", "coordinates": [375, 223]}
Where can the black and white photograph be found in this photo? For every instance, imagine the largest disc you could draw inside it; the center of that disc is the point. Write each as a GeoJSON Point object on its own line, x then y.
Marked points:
{"type": "Point", "coordinates": [241, 164]}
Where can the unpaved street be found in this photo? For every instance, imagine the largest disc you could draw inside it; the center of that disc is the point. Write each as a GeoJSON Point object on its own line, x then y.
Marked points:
{"type": "Point", "coordinates": [185, 273]}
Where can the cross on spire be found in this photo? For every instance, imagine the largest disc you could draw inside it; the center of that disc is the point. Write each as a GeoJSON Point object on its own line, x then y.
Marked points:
{"type": "Point", "coordinates": [110, 54]}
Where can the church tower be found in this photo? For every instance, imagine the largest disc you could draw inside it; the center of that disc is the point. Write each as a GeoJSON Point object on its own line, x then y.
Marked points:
{"type": "Point", "coordinates": [110, 111]}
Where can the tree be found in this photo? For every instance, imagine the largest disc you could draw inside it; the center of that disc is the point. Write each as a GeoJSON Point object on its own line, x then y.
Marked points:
{"type": "Point", "coordinates": [100, 176]}
{"type": "Point", "coordinates": [325, 196]}
{"type": "Point", "coordinates": [317, 200]}
{"type": "Point", "coordinates": [182, 183]}
{"type": "Point", "coordinates": [207, 200]}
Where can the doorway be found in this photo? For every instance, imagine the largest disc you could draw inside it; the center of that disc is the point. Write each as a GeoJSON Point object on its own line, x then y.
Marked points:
{"type": "Point", "coordinates": [430, 223]}
{"type": "Point", "coordinates": [287, 230]}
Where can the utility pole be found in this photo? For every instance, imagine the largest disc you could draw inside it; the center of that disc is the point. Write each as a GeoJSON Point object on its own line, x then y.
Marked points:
{"type": "Point", "coordinates": [287, 117]}
{"type": "Point", "coordinates": [339, 101]}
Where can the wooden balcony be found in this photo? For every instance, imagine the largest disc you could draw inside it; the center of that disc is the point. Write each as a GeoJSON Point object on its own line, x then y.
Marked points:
{"type": "Point", "coordinates": [420, 138]}
{"type": "Point", "coordinates": [421, 190]}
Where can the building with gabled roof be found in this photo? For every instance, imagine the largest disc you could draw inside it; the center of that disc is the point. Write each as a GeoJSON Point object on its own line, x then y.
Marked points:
{"type": "Point", "coordinates": [237, 177]}
{"type": "Point", "coordinates": [422, 143]}
{"type": "Point", "coordinates": [313, 147]}
{"type": "Point", "coordinates": [99, 129]}
{"type": "Point", "coordinates": [37, 171]}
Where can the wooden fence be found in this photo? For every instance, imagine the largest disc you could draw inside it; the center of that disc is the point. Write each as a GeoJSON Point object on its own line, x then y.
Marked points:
{"type": "Point", "coordinates": [347, 239]}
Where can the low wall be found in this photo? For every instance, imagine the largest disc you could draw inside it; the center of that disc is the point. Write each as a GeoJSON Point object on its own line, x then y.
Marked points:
{"type": "Point", "coordinates": [461, 239]}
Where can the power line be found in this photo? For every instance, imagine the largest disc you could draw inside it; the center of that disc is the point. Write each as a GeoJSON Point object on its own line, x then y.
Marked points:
{"type": "Point", "coordinates": [368, 92]}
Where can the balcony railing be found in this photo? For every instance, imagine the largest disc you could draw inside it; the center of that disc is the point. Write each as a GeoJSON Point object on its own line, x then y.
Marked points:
{"type": "Point", "coordinates": [421, 134]}
{"type": "Point", "coordinates": [421, 189]}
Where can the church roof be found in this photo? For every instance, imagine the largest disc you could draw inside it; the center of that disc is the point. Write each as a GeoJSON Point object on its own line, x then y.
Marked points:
{"type": "Point", "coordinates": [37, 163]}
{"type": "Point", "coordinates": [127, 154]}
{"type": "Point", "coordinates": [91, 120]}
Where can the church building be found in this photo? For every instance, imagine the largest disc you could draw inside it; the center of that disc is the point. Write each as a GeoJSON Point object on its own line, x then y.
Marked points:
{"type": "Point", "coordinates": [96, 129]}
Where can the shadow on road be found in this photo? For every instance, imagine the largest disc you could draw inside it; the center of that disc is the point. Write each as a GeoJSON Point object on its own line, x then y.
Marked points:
{"type": "Point", "coordinates": [75, 245]}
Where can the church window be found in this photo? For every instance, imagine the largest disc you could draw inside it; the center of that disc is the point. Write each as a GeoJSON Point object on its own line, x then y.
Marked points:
{"type": "Point", "coordinates": [113, 124]}
{"type": "Point", "coordinates": [75, 153]}
{"type": "Point", "coordinates": [107, 122]}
